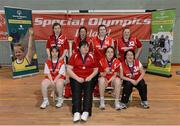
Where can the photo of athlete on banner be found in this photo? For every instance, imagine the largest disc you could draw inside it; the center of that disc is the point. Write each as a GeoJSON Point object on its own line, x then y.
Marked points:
{"type": "Point", "coordinates": [21, 38]}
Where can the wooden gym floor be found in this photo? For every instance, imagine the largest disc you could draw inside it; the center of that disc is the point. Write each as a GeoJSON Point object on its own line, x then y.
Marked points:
{"type": "Point", "coordinates": [20, 100]}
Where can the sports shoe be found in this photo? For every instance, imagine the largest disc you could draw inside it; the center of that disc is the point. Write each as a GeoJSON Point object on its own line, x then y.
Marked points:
{"type": "Point", "coordinates": [84, 116]}
{"type": "Point", "coordinates": [76, 117]}
{"type": "Point", "coordinates": [144, 104]}
{"type": "Point", "coordinates": [122, 106]}
{"type": "Point", "coordinates": [117, 105]}
{"type": "Point", "coordinates": [59, 102]}
{"type": "Point", "coordinates": [44, 104]}
{"type": "Point", "coordinates": [102, 104]}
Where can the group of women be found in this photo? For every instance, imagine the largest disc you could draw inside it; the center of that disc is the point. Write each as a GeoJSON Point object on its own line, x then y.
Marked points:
{"type": "Point", "coordinates": [94, 61]}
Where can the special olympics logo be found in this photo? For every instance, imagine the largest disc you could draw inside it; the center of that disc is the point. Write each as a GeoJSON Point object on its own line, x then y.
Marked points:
{"type": "Point", "coordinates": [19, 12]}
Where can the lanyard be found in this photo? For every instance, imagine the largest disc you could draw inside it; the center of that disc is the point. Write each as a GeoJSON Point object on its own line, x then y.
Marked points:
{"type": "Point", "coordinates": [84, 59]}
{"type": "Point", "coordinates": [102, 41]}
{"type": "Point", "coordinates": [131, 69]}
{"type": "Point", "coordinates": [54, 67]}
{"type": "Point", "coordinates": [110, 63]}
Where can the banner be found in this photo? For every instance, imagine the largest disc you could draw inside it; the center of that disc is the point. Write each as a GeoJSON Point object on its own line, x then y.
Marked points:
{"type": "Point", "coordinates": [140, 24]}
{"type": "Point", "coordinates": [20, 32]}
{"type": "Point", "coordinates": [160, 51]}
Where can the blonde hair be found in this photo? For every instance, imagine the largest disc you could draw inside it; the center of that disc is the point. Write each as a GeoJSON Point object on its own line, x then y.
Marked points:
{"type": "Point", "coordinates": [20, 46]}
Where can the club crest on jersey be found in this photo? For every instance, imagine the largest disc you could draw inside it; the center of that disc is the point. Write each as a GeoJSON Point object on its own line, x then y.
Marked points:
{"type": "Point", "coordinates": [60, 41]}
{"type": "Point", "coordinates": [131, 43]}
{"type": "Point", "coordinates": [135, 69]}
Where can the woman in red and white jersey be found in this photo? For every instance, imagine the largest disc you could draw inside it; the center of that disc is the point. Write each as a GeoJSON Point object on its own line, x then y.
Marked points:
{"type": "Point", "coordinates": [82, 68]}
{"type": "Point", "coordinates": [101, 42]}
{"type": "Point", "coordinates": [55, 75]}
{"type": "Point", "coordinates": [109, 76]}
{"type": "Point", "coordinates": [82, 35]}
{"type": "Point", "coordinates": [57, 39]}
{"type": "Point", "coordinates": [132, 73]}
{"type": "Point", "coordinates": [128, 42]}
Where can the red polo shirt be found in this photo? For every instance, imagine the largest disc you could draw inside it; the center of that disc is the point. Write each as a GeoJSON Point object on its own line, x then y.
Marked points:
{"type": "Point", "coordinates": [113, 65]}
{"type": "Point", "coordinates": [57, 68]}
{"type": "Point", "coordinates": [135, 71]}
{"type": "Point", "coordinates": [133, 44]}
{"type": "Point", "coordinates": [77, 40]}
{"type": "Point", "coordinates": [61, 42]}
{"type": "Point", "coordinates": [100, 46]}
{"type": "Point", "coordinates": [83, 68]}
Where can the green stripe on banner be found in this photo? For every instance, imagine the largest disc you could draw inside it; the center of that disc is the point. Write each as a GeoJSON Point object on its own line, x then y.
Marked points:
{"type": "Point", "coordinates": [27, 72]}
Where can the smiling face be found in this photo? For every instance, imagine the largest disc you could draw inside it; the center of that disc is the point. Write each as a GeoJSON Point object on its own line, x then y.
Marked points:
{"type": "Point", "coordinates": [126, 33]}
{"type": "Point", "coordinates": [102, 31]}
{"type": "Point", "coordinates": [109, 53]}
{"type": "Point", "coordinates": [84, 49]}
{"type": "Point", "coordinates": [57, 29]}
{"type": "Point", "coordinates": [54, 53]}
{"type": "Point", "coordinates": [129, 56]}
{"type": "Point", "coordinates": [82, 33]}
{"type": "Point", "coordinates": [19, 52]}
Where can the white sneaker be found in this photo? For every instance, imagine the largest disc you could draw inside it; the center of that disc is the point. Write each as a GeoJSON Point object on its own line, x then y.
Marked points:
{"type": "Point", "coordinates": [59, 102]}
{"type": "Point", "coordinates": [44, 104]}
{"type": "Point", "coordinates": [117, 105]}
{"type": "Point", "coordinates": [123, 106]}
{"type": "Point", "coordinates": [76, 117]}
{"type": "Point", "coordinates": [145, 104]}
{"type": "Point", "coordinates": [102, 104]}
{"type": "Point", "coordinates": [85, 116]}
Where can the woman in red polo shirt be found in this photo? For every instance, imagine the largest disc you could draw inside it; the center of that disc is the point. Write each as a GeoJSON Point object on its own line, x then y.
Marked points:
{"type": "Point", "coordinates": [132, 73]}
{"type": "Point", "coordinates": [57, 39]}
{"type": "Point", "coordinates": [82, 35]}
{"type": "Point", "coordinates": [109, 76]}
{"type": "Point", "coordinates": [55, 75]}
{"type": "Point", "coordinates": [82, 68]}
{"type": "Point", "coordinates": [128, 42]}
{"type": "Point", "coordinates": [101, 42]}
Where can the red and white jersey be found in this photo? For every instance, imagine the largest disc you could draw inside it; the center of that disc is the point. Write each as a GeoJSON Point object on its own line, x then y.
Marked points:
{"type": "Point", "coordinates": [83, 68]}
{"type": "Point", "coordinates": [59, 68]}
{"type": "Point", "coordinates": [77, 40]}
{"type": "Point", "coordinates": [133, 71]}
{"type": "Point", "coordinates": [61, 42]}
{"type": "Point", "coordinates": [123, 46]}
{"type": "Point", "coordinates": [114, 67]}
{"type": "Point", "coordinates": [100, 46]}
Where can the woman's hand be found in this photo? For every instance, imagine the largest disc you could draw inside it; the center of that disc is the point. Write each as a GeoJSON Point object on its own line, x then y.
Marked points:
{"type": "Point", "coordinates": [80, 80]}
{"type": "Point", "coordinates": [31, 32]}
{"type": "Point", "coordinates": [88, 78]}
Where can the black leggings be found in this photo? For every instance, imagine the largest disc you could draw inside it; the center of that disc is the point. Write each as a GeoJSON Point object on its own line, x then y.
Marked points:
{"type": "Point", "coordinates": [127, 90]}
{"type": "Point", "coordinates": [80, 90]}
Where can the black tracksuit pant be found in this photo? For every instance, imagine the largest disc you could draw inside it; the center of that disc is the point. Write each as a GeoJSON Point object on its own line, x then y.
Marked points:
{"type": "Point", "coordinates": [128, 87]}
{"type": "Point", "coordinates": [80, 90]}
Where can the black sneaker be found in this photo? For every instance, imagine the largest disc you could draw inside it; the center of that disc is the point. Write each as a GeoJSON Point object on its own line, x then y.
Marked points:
{"type": "Point", "coordinates": [144, 104]}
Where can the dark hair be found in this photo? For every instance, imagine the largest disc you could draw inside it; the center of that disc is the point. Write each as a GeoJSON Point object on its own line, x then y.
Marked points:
{"type": "Point", "coordinates": [114, 56]}
{"type": "Point", "coordinates": [56, 24]}
{"type": "Point", "coordinates": [82, 27]}
{"type": "Point", "coordinates": [101, 26]}
{"type": "Point", "coordinates": [56, 48]}
{"type": "Point", "coordinates": [127, 52]}
{"type": "Point", "coordinates": [83, 43]}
